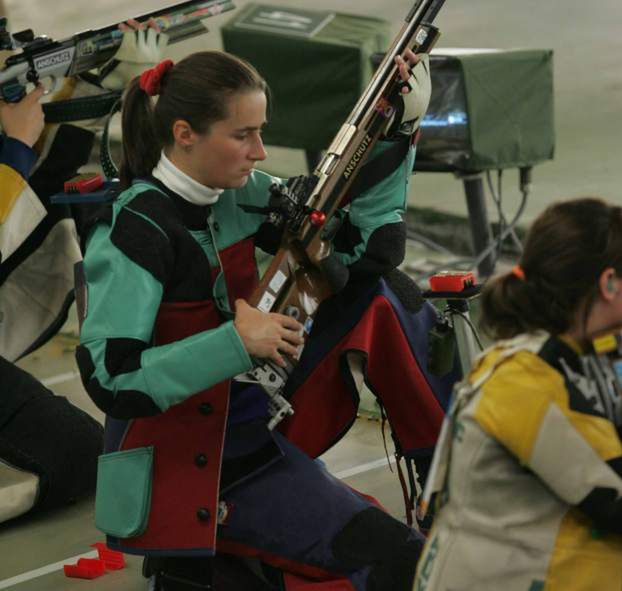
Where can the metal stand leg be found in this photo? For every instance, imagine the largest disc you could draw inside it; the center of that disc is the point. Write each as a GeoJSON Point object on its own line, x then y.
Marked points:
{"type": "Point", "coordinates": [465, 341]}
{"type": "Point", "coordinates": [480, 227]}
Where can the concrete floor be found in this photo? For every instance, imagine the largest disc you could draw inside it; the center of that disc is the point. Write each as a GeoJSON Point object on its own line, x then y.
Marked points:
{"type": "Point", "coordinates": [588, 81]}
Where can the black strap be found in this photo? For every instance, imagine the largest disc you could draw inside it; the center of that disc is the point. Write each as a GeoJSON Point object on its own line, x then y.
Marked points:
{"type": "Point", "coordinates": [105, 158]}
{"type": "Point", "coordinates": [376, 170]}
{"type": "Point", "coordinates": [78, 109]}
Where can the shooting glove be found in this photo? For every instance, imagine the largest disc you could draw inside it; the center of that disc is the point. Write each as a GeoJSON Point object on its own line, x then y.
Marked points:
{"type": "Point", "coordinates": [139, 51]}
{"type": "Point", "coordinates": [412, 106]}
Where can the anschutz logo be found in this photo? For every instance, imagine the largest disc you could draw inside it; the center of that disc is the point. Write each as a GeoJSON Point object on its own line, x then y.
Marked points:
{"type": "Point", "coordinates": [358, 155]}
{"type": "Point", "coordinates": [56, 59]}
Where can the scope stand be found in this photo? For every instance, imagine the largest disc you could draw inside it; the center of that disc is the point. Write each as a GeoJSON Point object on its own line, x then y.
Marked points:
{"type": "Point", "coordinates": [456, 316]}
{"type": "Point", "coordinates": [458, 312]}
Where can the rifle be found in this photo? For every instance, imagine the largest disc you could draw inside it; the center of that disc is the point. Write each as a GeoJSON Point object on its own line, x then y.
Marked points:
{"type": "Point", "coordinates": [302, 273]}
{"type": "Point", "coordinates": [41, 57]}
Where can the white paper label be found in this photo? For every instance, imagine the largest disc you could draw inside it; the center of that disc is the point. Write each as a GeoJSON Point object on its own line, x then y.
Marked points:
{"type": "Point", "coordinates": [266, 302]}
{"type": "Point", "coordinates": [277, 281]}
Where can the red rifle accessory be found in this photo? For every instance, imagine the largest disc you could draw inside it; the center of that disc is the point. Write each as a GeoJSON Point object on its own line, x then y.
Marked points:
{"type": "Point", "coordinates": [86, 568]}
{"type": "Point", "coordinates": [317, 218]}
{"type": "Point", "coordinates": [84, 183]}
{"type": "Point", "coordinates": [112, 559]}
{"type": "Point", "coordinates": [451, 281]}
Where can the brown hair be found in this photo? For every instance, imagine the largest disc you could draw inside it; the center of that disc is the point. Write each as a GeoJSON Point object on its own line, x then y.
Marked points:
{"type": "Point", "coordinates": [568, 247]}
{"type": "Point", "coordinates": [197, 90]}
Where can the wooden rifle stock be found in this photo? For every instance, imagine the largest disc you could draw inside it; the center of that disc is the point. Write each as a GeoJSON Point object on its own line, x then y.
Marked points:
{"type": "Point", "coordinates": [296, 282]}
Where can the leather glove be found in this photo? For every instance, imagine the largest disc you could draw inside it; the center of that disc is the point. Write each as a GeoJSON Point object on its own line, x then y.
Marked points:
{"type": "Point", "coordinates": [140, 50]}
{"type": "Point", "coordinates": [412, 106]}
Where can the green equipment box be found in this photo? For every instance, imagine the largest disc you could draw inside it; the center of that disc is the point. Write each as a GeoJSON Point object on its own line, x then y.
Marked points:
{"type": "Point", "coordinates": [490, 109]}
{"type": "Point", "coordinates": [317, 64]}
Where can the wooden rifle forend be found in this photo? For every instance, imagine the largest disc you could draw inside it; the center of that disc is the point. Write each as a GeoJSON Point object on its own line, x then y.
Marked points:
{"type": "Point", "coordinates": [346, 154]}
{"type": "Point", "coordinates": [296, 281]}
{"type": "Point", "coordinates": [348, 151]}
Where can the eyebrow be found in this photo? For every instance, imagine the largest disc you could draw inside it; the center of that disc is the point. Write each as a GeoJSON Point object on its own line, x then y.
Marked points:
{"type": "Point", "coordinates": [252, 128]}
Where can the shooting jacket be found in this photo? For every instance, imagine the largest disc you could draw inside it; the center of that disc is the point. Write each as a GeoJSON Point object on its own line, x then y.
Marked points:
{"type": "Point", "coordinates": [528, 472]}
{"type": "Point", "coordinates": [20, 209]}
{"type": "Point", "coordinates": [158, 349]}
{"type": "Point", "coordinates": [40, 465]}
{"type": "Point", "coordinates": [38, 241]}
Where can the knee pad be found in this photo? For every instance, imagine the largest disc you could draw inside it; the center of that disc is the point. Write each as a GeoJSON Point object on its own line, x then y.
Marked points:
{"type": "Point", "coordinates": [47, 435]}
{"type": "Point", "coordinates": [389, 548]}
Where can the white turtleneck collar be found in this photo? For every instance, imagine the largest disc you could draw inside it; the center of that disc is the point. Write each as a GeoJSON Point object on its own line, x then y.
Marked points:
{"type": "Point", "coordinates": [182, 184]}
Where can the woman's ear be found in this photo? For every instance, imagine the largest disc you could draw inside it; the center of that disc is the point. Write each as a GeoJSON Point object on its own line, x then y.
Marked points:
{"type": "Point", "coordinates": [183, 134]}
{"type": "Point", "coordinates": [608, 284]}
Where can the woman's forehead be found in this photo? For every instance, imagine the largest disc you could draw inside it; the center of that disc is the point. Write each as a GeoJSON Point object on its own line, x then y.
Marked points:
{"type": "Point", "coordinates": [247, 109]}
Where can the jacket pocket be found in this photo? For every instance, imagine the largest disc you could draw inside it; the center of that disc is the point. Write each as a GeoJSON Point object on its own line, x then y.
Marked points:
{"type": "Point", "coordinates": [123, 497]}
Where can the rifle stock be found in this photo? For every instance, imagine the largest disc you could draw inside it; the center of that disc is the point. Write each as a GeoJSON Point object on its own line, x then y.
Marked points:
{"type": "Point", "coordinates": [43, 58]}
{"type": "Point", "coordinates": [294, 283]}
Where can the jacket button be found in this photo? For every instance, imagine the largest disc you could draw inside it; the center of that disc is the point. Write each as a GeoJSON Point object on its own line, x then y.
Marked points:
{"type": "Point", "coordinates": [205, 408]}
{"type": "Point", "coordinates": [200, 460]}
{"type": "Point", "coordinates": [203, 514]}
{"type": "Point", "coordinates": [216, 226]}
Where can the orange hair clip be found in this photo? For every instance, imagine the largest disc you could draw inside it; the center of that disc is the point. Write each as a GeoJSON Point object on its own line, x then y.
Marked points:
{"type": "Point", "coordinates": [517, 271]}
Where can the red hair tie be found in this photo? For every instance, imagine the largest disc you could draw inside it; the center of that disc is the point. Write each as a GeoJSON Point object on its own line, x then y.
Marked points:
{"type": "Point", "coordinates": [517, 271]}
{"type": "Point", "coordinates": [151, 80]}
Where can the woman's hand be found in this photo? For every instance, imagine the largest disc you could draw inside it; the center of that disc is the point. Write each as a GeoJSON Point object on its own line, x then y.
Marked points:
{"type": "Point", "coordinates": [24, 120]}
{"type": "Point", "coordinates": [142, 48]}
{"type": "Point", "coordinates": [415, 93]}
{"type": "Point", "coordinates": [405, 64]}
{"type": "Point", "coordinates": [267, 336]}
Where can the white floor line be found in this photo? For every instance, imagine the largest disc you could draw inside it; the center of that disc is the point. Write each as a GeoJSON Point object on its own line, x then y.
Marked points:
{"type": "Point", "coordinates": [44, 570]}
{"type": "Point", "coordinates": [59, 379]}
{"type": "Point", "coordinates": [362, 468]}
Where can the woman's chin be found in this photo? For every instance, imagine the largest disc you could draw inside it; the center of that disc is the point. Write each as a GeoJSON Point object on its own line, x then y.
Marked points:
{"type": "Point", "coordinates": [238, 183]}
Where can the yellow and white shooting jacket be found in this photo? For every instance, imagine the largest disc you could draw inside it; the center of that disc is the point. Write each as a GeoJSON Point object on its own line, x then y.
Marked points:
{"type": "Point", "coordinates": [528, 476]}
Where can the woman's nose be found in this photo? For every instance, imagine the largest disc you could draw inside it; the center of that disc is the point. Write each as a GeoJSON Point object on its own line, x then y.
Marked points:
{"type": "Point", "coordinates": [259, 151]}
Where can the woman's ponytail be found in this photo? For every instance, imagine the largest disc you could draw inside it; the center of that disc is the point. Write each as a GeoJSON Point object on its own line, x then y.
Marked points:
{"type": "Point", "coordinates": [568, 246]}
{"type": "Point", "coordinates": [141, 148]}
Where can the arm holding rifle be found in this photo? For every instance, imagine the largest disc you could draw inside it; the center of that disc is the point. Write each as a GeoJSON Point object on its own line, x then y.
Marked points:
{"type": "Point", "coordinates": [23, 121]}
{"type": "Point", "coordinates": [371, 237]}
{"type": "Point", "coordinates": [35, 160]}
{"type": "Point", "coordinates": [371, 241]}
{"type": "Point", "coordinates": [306, 269]}
{"type": "Point", "coordinates": [20, 210]}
